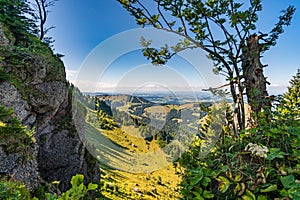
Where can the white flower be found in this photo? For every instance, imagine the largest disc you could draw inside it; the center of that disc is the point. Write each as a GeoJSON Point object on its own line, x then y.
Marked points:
{"type": "Point", "coordinates": [257, 150]}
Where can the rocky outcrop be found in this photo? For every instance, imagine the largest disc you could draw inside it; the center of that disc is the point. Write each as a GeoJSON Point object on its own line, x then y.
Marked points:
{"type": "Point", "coordinates": [21, 167]}
{"type": "Point", "coordinates": [11, 97]}
{"type": "Point", "coordinates": [38, 92]}
{"type": "Point", "coordinates": [62, 148]}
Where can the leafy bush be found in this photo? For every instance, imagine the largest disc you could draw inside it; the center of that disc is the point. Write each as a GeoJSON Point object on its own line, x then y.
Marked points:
{"type": "Point", "coordinates": [262, 163]}
{"type": "Point", "coordinates": [13, 190]}
{"type": "Point", "coordinates": [77, 192]}
{"type": "Point", "coordinates": [13, 136]}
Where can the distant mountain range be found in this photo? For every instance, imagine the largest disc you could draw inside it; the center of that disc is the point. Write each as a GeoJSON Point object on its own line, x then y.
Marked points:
{"type": "Point", "coordinates": [176, 98]}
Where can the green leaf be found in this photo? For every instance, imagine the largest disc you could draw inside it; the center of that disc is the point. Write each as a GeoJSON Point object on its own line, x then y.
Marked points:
{"type": "Point", "coordinates": [125, 2]}
{"type": "Point", "coordinates": [206, 181]}
{"type": "Point", "coordinates": [224, 184]}
{"type": "Point", "coordinates": [245, 197]}
{"type": "Point", "coordinates": [248, 196]}
{"type": "Point", "coordinates": [77, 180]}
{"type": "Point", "coordinates": [208, 194]}
{"type": "Point", "coordinates": [50, 196]}
{"type": "Point", "coordinates": [294, 192]}
{"type": "Point", "coordinates": [92, 186]}
{"type": "Point", "coordinates": [224, 168]}
{"type": "Point", "coordinates": [275, 153]}
{"type": "Point", "coordinates": [195, 180]}
{"type": "Point", "coordinates": [237, 5]}
{"type": "Point", "coordinates": [288, 181]}
{"type": "Point", "coordinates": [81, 187]}
{"type": "Point", "coordinates": [154, 18]}
{"type": "Point", "coordinates": [198, 196]}
{"type": "Point", "coordinates": [141, 21]}
{"type": "Point", "coordinates": [261, 197]}
{"type": "Point", "coordinates": [298, 169]}
{"type": "Point", "coordinates": [210, 3]}
{"type": "Point", "coordinates": [270, 188]}
{"type": "Point", "coordinates": [187, 42]}
{"type": "Point", "coordinates": [221, 21]}
{"type": "Point", "coordinates": [284, 193]}
{"type": "Point", "coordinates": [238, 178]}
{"type": "Point", "coordinates": [197, 176]}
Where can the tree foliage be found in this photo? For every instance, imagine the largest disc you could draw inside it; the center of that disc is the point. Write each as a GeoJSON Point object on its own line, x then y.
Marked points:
{"type": "Point", "coordinates": [223, 29]}
{"type": "Point", "coordinates": [23, 18]}
{"type": "Point", "coordinates": [13, 15]}
{"type": "Point", "coordinates": [291, 99]}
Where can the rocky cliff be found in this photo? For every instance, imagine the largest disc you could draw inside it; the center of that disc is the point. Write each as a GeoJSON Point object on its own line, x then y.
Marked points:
{"type": "Point", "coordinates": [33, 83]}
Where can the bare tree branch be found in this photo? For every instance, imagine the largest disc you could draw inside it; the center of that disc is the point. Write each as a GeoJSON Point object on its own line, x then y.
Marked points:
{"type": "Point", "coordinates": [41, 7]}
{"type": "Point", "coordinates": [161, 14]}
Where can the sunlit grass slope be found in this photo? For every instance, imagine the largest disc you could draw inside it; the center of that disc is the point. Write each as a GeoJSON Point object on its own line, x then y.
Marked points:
{"type": "Point", "coordinates": [132, 168]}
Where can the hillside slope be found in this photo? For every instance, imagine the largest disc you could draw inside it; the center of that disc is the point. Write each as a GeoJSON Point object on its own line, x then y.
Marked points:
{"type": "Point", "coordinates": [131, 167]}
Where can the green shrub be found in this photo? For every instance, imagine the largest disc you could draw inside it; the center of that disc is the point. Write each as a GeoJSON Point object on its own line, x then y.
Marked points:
{"type": "Point", "coordinates": [262, 163]}
{"type": "Point", "coordinates": [13, 136]}
{"type": "Point", "coordinates": [77, 192]}
{"type": "Point", "coordinates": [13, 190]}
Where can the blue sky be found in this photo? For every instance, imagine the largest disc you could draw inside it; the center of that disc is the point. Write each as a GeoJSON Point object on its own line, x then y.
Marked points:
{"type": "Point", "coordinates": [84, 26]}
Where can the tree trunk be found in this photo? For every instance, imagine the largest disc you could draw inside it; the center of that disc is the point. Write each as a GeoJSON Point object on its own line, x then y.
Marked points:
{"type": "Point", "coordinates": [255, 81]}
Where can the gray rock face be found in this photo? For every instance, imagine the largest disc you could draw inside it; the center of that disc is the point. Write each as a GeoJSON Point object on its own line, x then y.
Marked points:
{"type": "Point", "coordinates": [21, 167]}
{"type": "Point", "coordinates": [59, 152]}
{"type": "Point", "coordinates": [62, 152]}
{"type": "Point", "coordinates": [11, 97]}
{"type": "Point", "coordinates": [52, 94]}
{"type": "Point", "coordinates": [37, 70]}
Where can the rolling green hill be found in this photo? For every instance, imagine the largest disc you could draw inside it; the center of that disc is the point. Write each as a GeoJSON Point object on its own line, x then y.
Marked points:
{"type": "Point", "coordinates": [136, 142]}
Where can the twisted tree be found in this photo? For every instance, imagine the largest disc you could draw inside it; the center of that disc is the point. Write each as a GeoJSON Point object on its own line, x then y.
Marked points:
{"type": "Point", "coordinates": [40, 14]}
{"type": "Point", "coordinates": [226, 30]}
